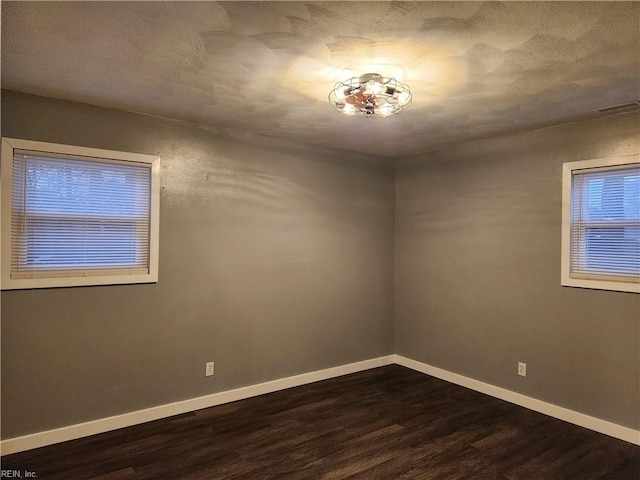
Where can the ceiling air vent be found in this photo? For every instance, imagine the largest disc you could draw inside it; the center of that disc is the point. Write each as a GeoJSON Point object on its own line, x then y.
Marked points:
{"type": "Point", "coordinates": [625, 107]}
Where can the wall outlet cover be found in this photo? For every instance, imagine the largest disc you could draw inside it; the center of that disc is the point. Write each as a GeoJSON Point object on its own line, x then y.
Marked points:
{"type": "Point", "coordinates": [522, 369]}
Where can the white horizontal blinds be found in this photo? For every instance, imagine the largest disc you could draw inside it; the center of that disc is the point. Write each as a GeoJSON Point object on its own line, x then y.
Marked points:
{"type": "Point", "coordinates": [605, 223]}
{"type": "Point", "coordinates": [74, 216]}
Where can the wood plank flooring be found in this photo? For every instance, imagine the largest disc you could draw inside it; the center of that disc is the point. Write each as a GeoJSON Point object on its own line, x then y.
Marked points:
{"type": "Point", "coordinates": [388, 423]}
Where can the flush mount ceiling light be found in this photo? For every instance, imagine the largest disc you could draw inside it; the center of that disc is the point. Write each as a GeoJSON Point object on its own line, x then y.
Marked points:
{"type": "Point", "coordinates": [370, 95]}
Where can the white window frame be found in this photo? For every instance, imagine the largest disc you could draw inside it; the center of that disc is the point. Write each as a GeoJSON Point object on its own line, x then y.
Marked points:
{"type": "Point", "coordinates": [6, 170]}
{"type": "Point", "coordinates": [567, 171]}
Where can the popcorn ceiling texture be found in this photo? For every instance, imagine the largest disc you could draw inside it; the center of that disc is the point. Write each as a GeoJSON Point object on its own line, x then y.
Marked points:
{"type": "Point", "coordinates": [476, 69]}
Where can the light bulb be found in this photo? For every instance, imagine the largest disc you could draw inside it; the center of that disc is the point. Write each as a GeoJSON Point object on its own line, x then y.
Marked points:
{"type": "Point", "coordinates": [403, 98]}
{"type": "Point", "coordinates": [386, 109]}
{"type": "Point", "coordinates": [372, 87]}
{"type": "Point", "coordinates": [349, 109]}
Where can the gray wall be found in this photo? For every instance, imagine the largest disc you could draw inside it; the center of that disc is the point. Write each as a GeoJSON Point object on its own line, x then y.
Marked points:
{"type": "Point", "coordinates": [478, 271]}
{"type": "Point", "coordinates": [275, 259]}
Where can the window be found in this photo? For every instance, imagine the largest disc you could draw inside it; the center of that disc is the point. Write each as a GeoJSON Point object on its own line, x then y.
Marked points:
{"type": "Point", "coordinates": [77, 216]}
{"type": "Point", "coordinates": [601, 224]}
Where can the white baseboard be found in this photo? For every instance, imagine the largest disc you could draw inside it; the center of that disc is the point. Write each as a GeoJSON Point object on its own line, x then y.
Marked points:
{"type": "Point", "coordinates": [561, 413]}
{"type": "Point", "coordinates": [49, 437]}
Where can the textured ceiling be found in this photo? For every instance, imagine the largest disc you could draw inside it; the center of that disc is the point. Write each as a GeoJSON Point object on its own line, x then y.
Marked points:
{"type": "Point", "coordinates": [476, 69]}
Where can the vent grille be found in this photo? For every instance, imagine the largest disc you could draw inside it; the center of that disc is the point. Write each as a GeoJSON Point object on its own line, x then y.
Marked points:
{"type": "Point", "coordinates": [625, 107]}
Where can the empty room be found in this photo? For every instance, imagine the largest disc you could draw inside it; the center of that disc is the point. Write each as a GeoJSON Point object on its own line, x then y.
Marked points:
{"type": "Point", "coordinates": [320, 240]}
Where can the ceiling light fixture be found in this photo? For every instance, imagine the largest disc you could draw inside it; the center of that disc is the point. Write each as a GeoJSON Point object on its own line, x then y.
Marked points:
{"type": "Point", "coordinates": [370, 95]}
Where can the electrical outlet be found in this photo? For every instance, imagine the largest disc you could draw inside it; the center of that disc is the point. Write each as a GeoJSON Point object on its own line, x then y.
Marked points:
{"type": "Point", "coordinates": [209, 369]}
{"type": "Point", "coordinates": [522, 369]}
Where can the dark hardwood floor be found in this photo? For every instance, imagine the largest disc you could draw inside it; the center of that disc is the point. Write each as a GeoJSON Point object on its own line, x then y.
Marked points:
{"type": "Point", "coordinates": [387, 423]}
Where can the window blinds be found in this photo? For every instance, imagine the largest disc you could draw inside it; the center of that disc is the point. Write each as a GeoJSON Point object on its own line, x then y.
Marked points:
{"type": "Point", "coordinates": [605, 223]}
{"type": "Point", "coordinates": [78, 216]}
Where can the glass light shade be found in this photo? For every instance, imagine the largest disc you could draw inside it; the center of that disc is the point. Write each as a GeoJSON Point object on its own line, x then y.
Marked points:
{"type": "Point", "coordinates": [370, 95]}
